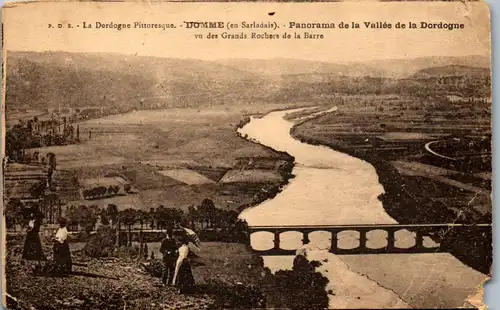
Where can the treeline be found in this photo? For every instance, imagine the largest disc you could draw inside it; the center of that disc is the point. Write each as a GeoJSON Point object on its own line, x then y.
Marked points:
{"type": "Point", "coordinates": [59, 130]}
{"type": "Point", "coordinates": [103, 191]}
{"type": "Point", "coordinates": [37, 133]}
{"type": "Point", "coordinates": [203, 218]}
{"type": "Point", "coordinates": [465, 86]}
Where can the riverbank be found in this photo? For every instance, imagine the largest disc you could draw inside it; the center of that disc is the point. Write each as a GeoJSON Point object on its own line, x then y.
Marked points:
{"type": "Point", "coordinates": [407, 201]}
{"type": "Point", "coordinates": [285, 170]}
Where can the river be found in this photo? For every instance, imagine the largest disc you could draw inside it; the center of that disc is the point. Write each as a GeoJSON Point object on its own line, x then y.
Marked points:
{"type": "Point", "coordinates": [332, 188]}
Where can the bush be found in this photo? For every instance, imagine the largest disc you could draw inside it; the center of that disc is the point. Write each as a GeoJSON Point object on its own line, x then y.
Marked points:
{"type": "Point", "coordinates": [300, 288]}
{"type": "Point", "coordinates": [154, 268]}
{"type": "Point", "coordinates": [236, 296]}
{"type": "Point", "coordinates": [127, 252]}
{"type": "Point", "coordinates": [127, 188]}
{"type": "Point", "coordinates": [101, 244]}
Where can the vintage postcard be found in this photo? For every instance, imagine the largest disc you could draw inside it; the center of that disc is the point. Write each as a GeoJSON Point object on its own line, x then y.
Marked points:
{"type": "Point", "coordinates": [246, 155]}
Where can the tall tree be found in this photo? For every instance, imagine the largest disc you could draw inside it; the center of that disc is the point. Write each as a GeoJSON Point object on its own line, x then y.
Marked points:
{"type": "Point", "coordinates": [152, 216]}
{"type": "Point", "coordinates": [142, 218]}
{"type": "Point", "coordinates": [88, 217]}
{"type": "Point", "coordinates": [128, 217]}
{"type": "Point", "coordinates": [112, 213]}
{"type": "Point", "coordinates": [12, 212]}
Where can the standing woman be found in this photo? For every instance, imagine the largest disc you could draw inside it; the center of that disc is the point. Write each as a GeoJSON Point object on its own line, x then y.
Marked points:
{"type": "Point", "coordinates": [32, 250]}
{"type": "Point", "coordinates": [62, 255]}
{"type": "Point", "coordinates": [183, 275]}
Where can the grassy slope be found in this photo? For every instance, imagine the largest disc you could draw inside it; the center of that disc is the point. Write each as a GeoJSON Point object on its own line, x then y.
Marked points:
{"type": "Point", "coordinates": [123, 278]}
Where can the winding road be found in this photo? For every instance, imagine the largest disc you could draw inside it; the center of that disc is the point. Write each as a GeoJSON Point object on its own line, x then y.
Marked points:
{"type": "Point", "coordinates": [332, 188]}
{"type": "Point", "coordinates": [428, 148]}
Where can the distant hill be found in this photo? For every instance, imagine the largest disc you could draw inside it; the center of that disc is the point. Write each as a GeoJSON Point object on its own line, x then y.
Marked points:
{"type": "Point", "coordinates": [452, 70]}
{"type": "Point", "coordinates": [61, 79]}
{"type": "Point", "coordinates": [52, 79]}
{"type": "Point", "coordinates": [284, 66]}
{"type": "Point", "coordinates": [401, 68]}
{"type": "Point", "coordinates": [398, 68]}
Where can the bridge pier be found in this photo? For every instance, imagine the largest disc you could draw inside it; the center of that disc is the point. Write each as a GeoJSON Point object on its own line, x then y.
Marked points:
{"type": "Point", "coordinates": [391, 239]}
{"type": "Point", "coordinates": [305, 239]}
{"type": "Point", "coordinates": [277, 240]}
{"type": "Point", "coordinates": [419, 241]}
{"type": "Point", "coordinates": [334, 243]}
{"type": "Point", "coordinates": [362, 238]}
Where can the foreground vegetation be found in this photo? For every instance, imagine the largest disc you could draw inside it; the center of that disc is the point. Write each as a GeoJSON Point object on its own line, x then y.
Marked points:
{"type": "Point", "coordinates": [228, 275]}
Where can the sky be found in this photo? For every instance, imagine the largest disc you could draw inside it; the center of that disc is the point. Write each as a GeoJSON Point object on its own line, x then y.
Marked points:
{"type": "Point", "coordinates": [26, 29]}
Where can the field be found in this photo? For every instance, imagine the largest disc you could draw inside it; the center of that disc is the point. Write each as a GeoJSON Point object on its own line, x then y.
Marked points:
{"type": "Point", "coordinates": [174, 157]}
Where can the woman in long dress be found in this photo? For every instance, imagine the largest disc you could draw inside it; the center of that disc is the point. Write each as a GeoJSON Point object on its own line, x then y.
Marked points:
{"type": "Point", "coordinates": [32, 250]}
{"type": "Point", "coordinates": [62, 255]}
{"type": "Point", "coordinates": [183, 275]}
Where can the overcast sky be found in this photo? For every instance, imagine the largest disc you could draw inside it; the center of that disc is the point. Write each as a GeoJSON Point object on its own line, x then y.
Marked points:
{"type": "Point", "coordinates": [26, 29]}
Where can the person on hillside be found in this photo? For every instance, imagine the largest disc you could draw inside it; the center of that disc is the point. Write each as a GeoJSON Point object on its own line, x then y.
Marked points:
{"type": "Point", "coordinates": [32, 250]}
{"type": "Point", "coordinates": [183, 276]}
{"type": "Point", "coordinates": [62, 254]}
{"type": "Point", "coordinates": [168, 249]}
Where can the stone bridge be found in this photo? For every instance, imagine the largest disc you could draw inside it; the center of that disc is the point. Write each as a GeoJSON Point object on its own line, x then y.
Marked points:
{"type": "Point", "coordinates": [438, 233]}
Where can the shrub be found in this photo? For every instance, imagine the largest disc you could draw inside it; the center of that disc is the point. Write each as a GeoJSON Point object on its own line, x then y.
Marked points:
{"type": "Point", "coordinates": [127, 252]}
{"type": "Point", "coordinates": [101, 244]}
{"type": "Point", "coordinates": [154, 268]}
{"type": "Point", "coordinates": [300, 288]}
{"type": "Point", "coordinates": [229, 296]}
{"type": "Point", "coordinates": [127, 188]}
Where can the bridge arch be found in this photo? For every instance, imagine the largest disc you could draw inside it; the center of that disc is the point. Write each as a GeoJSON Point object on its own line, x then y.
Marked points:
{"type": "Point", "coordinates": [348, 239]}
{"type": "Point", "coordinates": [377, 239]}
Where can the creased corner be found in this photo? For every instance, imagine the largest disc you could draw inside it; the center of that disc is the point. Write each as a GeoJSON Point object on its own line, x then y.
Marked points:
{"type": "Point", "coordinates": [477, 299]}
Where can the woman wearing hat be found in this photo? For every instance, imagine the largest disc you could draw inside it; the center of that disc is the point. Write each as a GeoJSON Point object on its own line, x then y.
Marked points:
{"type": "Point", "coordinates": [32, 250]}
{"type": "Point", "coordinates": [183, 275]}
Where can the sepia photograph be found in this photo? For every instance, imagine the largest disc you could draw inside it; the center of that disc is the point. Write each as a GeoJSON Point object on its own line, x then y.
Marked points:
{"type": "Point", "coordinates": [246, 155]}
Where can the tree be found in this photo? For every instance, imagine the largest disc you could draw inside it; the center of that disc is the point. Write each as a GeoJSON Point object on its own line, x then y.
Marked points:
{"type": "Point", "coordinates": [142, 217]}
{"type": "Point", "coordinates": [127, 188]}
{"type": "Point", "coordinates": [104, 219]}
{"type": "Point", "coordinates": [162, 217]}
{"type": "Point", "coordinates": [152, 216]}
{"type": "Point", "coordinates": [51, 158]}
{"type": "Point", "coordinates": [12, 213]}
{"type": "Point", "coordinates": [128, 217]}
{"type": "Point", "coordinates": [86, 194]}
{"type": "Point", "coordinates": [206, 211]}
{"type": "Point", "coordinates": [193, 215]}
{"type": "Point", "coordinates": [112, 213]}
{"type": "Point", "coordinates": [101, 191]}
{"type": "Point", "coordinates": [88, 217]}
{"type": "Point", "coordinates": [37, 190]}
